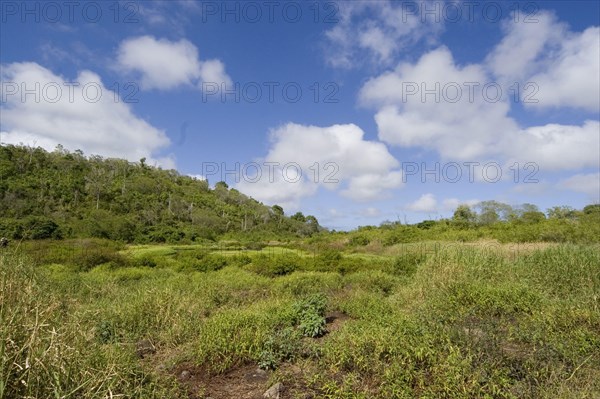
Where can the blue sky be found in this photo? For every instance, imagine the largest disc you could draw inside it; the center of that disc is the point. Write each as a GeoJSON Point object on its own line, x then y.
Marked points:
{"type": "Point", "coordinates": [356, 112]}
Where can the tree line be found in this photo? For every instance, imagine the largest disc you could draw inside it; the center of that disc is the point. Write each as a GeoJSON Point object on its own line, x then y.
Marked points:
{"type": "Point", "coordinates": [63, 194]}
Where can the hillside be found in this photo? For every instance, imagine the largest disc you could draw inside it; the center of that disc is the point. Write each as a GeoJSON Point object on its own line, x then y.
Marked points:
{"type": "Point", "coordinates": [61, 194]}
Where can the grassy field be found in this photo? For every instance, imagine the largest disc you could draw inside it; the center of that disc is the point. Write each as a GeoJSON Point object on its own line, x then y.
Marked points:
{"type": "Point", "coordinates": [477, 320]}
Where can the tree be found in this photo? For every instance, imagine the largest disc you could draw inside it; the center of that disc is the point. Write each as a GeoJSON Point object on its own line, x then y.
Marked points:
{"type": "Point", "coordinates": [591, 209]}
{"type": "Point", "coordinates": [561, 212]}
{"type": "Point", "coordinates": [97, 180]}
{"type": "Point", "coordinates": [464, 214]}
{"type": "Point", "coordinates": [493, 211]}
{"type": "Point", "coordinates": [277, 210]}
{"type": "Point", "coordinates": [299, 217]}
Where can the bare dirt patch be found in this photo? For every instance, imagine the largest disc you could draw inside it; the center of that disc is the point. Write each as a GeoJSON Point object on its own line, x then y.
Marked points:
{"type": "Point", "coordinates": [335, 320]}
{"type": "Point", "coordinates": [243, 382]}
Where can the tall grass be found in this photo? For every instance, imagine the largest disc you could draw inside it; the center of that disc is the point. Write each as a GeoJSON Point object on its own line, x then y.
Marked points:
{"type": "Point", "coordinates": [463, 321]}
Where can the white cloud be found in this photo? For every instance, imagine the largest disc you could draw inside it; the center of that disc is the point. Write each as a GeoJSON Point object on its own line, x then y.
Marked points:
{"type": "Point", "coordinates": [556, 147]}
{"type": "Point", "coordinates": [424, 204]}
{"type": "Point", "coordinates": [370, 212]}
{"type": "Point", "coordinates": [583, 183]}
{"type": "Point", "coordinates": [450, 204]}
{"type": "Point", "coordinates": [473, 127]}
{"type": "Point", "coordinates": [524, 47]}
{"type": "Point", "coordinates": [105, 127]}
{"type": "Point", "coordinates": [213, 71]}
{"type": "Point", "coordinates": [464, 129]}
{"type": "Point", "coordinates": [564, 66]}
{"type": "Point", "coordinates": [335, 158]}
{"type": "Point", "coordinates": [163, 64]}
{"type": "Point", "coordinates": [376, 31]}
{"type": "Point", "coordinates": [371, 186]}
{"type": "Point", "coordinates": [427, 203]}
{"type": "Point", "coordinates": [573, 78]}
{"type": "Point", "coordinates": [197, 177]}
{"type": "Point", "coordinates": [280, 190]}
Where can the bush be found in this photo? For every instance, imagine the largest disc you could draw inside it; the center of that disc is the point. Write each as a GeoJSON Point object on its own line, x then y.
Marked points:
{"type": "Point", "coordinates": [310, 315]}
{"type": "Point", "coordinates": [279, 347]}
{"type": "Point", "coordinates": [407, 263]}
{"type": "Point", "coordinates": [328, 259]}
{"type": "Point", "coordinates": [359, 240]}
{"type": "Point", "coordinates": [96, 257]}
{"type": "Point", "coordinates": [255, 246]}
{"type": "Point", "coordinates": [350, 265]}
{"type": "Point", "coordinates": [241, 260]}
{"type": "Point", "coordinates": [39, 228]}
{"type": "Point", "coordinates": [204, 262]}
{"type": "Point", "coordinates": [146, 261]}
{"type": "Point", "coordinates": [278, 265]}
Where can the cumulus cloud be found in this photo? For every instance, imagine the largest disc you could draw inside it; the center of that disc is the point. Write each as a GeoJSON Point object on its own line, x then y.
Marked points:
{"type": "Point", "coordinates": [370, 212]}
{"type": "Point", "coordinates": [573, 79]}
{"type": "Point", "coordinates": [588, 184]}
{"type": "Point", "coordinates": [450, 204]}
{"type": "Point", "coordinates": [458, 120]}
{"type": "Point", "coordinates": [556, 147]}
{"type": "Point", "coordinates": [465, 121]}
{"type": "Point", "coordinates": [424, 204]}
{"type": "Point", "coordinates": [524, 47]}
{"type": "Point", "coordinates": [563, 65]}
{"type": "Point", "coordinates": [366, 187]}
{"type": "Point", "coordinates": [427, 203]}
{"type": "Point", "coordinates": [378, 31]}
{"type": "Point", "coordinates": [163, 64]}
{"type": "Point", "coordinates": [335, 158]}
{"type": "Point", "coordinates": [79, 114]}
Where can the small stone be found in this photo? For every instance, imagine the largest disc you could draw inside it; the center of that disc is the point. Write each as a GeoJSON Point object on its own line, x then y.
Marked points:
{"type": "Point", "coordinates": [274, 391]}
{"type": "Point", "coordinates": [185, 375]}
{"type": "Point", "coordinates": [144, 348]}
{"type": "Point", "coordinates": [257, 375]}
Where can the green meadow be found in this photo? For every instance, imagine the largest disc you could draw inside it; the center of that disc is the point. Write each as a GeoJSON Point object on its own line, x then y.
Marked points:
{"type": "Point", "coordinates": [97, 319]}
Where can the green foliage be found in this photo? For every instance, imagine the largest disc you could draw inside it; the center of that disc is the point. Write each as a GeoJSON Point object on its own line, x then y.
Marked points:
{"type": "Point", "coordinates": [328, 259]}
{"type": "Point", "coordinates": [472, 321]}
{"type": "Point", "coordinates": [464, 216]}
{"type": "Point", "coordinates": [281, 346]}
{"type": "Point", "coordinates": [275, 265]}
{"type": "Point", "coordinates": [61, 194]}
{"type": "Point", "coordinates": [359, 240]}
{"type": "Point", "coordinates": [89, 259]}
{"type": "Point", "coordinates": [591, 209]}
{"type": "Point", "coordinates": [200, 261]}
{"type": "Point", "coordinates": [407, 263]}
{"type": "Point", "coordinates": [310, 315]}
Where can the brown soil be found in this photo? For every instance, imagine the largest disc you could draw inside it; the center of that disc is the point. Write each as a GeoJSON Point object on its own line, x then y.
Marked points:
{"type": "Point", "coordinates": [244, 382]}
{"type": "Point", "coordinates": [248, 381]}
{"type": "Point", "coordinates": [335, 320]}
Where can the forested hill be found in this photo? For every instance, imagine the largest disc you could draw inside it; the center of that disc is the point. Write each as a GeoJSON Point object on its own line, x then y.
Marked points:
{"type": "Point", "coordinates": [61, 194]}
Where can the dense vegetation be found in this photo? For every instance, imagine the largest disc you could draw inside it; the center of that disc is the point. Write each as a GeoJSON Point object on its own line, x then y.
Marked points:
{"type": "Point", "coordinates": [62, 194]}
{"type": "Point", "coordinates": [464, 321]}
{"type": "Point", "coordinates": [66, 195]}
{"type": "Point", "coordinates": [127, 281]}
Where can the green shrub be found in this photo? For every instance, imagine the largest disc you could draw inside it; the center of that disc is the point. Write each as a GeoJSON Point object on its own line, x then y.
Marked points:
{"type": "Point", "coordinates": [255, 246]}
{"type": "Point", "coordinates": [350, 265]}
{"type": "Point", "coordinates": [90, 259]}
{"type": "Point", "coordinates": [240, 260]}
{"type": "Point", "coordinates": [276, 265]}
{"type": "Point", "coordinates": [328, 259]}
{"type": "Point", "coordinates": [204, 262]}
{"type": "Point", "coordinates": [281, 346]}
{"type": "Point", "coordinates": [359, 240]}
{"type": "Point", "coordinates": [407, 263]}
{"type": "Point", "coordinates": [310, 315]}
{"type": "Point", "coordinates": [146, 261]}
